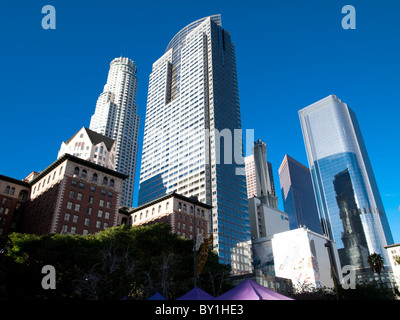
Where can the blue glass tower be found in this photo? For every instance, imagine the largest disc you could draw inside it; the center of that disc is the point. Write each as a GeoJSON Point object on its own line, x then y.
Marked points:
{"type": "Point", "coordinates": [298, 195]}
{"type": "Point", "coordinates": [193, 106]}
{"type": "Point", "coordinates": [347, 195]}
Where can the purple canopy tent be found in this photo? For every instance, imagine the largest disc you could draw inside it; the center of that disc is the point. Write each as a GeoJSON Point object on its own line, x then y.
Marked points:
{"type": "Point", "coordinates": [251, 290]}
{"type": "Point", "coordinates": [196, 294]}
{"type": "Point", "coordinates": [157, 296]}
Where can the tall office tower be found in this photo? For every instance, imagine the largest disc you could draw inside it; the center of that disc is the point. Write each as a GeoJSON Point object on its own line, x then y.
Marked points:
{"type": "Point", "coordinates": [348, 200]}
{"type": "Point", "coordinates": [298, 195]}
{"type": "Point", "coordinates": [192, 102]}
{"type": "Point", "coordinates": [251, 180]}
{"type": "Point", "coordinates": [116, 117]}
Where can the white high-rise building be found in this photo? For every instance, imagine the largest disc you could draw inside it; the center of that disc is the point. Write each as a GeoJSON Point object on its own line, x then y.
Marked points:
{"type": "Point", "coordinates": [116, 117]}
{"type": "Point", "coordinates": [192, 101]}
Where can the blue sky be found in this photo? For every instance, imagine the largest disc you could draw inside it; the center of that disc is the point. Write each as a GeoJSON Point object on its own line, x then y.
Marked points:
{"type": "Point", "coordinates": [289, 53]}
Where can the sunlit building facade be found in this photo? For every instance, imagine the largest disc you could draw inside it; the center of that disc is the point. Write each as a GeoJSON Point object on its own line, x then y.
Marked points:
{"type": "Point", "coordinates": [116, 117]}
{"type": "Point", "coordinates": [192, 101]}
{"type": "Point", "coordinates": [347, 195]}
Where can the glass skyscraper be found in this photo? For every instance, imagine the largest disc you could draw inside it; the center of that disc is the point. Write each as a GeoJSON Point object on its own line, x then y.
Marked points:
{"type": "Point", "coordinates": [191, 116]}
{"type": "Point", "coordinates": [116, 117]}
{"type": "Point", "coordinates": [348, 200]}
{"type": "Point", "coordinates": [298, 195]}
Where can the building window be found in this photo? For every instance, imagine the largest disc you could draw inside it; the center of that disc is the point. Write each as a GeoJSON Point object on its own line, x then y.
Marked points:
{"type": "Point", "coordinates": [100, 213]}
{"type": "Point", "coordinates": [76, 171]}
{"type": "Point", "coordinates": [112, 183]}
{"type": "Point", "coordinates": [66, 217]}
{"type": "Point", "coordinates": [107, 215]}
{"type": "Point", "coordinates": [77, 207]}
{"type": "Point", "coordinates": [92, 189]}
{"type": "Point", "coordinates": [105, 180]}
{"type": "Point", "coordinates": [159, 209]}
{"type": "Point", "coordinates": [91, 199]}
{"type": "Point", "coordinates": [7, 191]}
{"type": "Point", "coordinates": [101, 203]}
{"type": "Point", "coordinates": [72, 194]}
{"type": "Point", "coordinates": [87, 221]}
{"type": "Point", "coordinates": [98, 224]}
{"type": "Point", "coordinates": [105, 225]}
{"type": "Point", "coordinates": [74, 183]}
{"type": "Point", "coordinates": [110, 194]}
{"type": "Point", "coordinates": [64, 229]}
{"type": "Point", "coordinates": [75, 218]}
{"type": "Point", "coordinates": [81, 185]}
{"type": "Point", "coordinates": [85, 232]}
{"type": "Point", "coordinates": [103, 192]}
{"type": "Point", "coordinates": [73, 230]}
{"type": "Point", "coordinates": [108, 205]}
{"type": "Point", "coordinates": [89, 210]}
{"type": "Point", "coordinates": [84, 173]}
{"type": "Point", "coordinates": [79, 197]}
{"type": "Point", "coordinates": [94, 177]}
{"type": "Point", "coordinates": [69, 205]}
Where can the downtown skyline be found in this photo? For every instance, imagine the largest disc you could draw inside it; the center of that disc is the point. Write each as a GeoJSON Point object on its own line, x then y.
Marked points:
{"type": "Point", "coordinates": [291, 56]}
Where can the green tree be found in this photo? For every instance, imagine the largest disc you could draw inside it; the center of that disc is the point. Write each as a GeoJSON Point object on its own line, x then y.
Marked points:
{"type": "Point", "coordinates": [375, 261]}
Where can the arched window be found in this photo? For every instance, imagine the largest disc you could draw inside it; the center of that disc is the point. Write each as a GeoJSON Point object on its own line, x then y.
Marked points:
{"type": "Point", "coordinates": [153, 211]}
{"type": "Point", "coordinates": [94, 177]}
{"type": "Point", "coordinates": [105, 180]}
{"type": "Point", "coordinates": [7, 191]}
{"type": "Point", "coordinates": [84, 173]}
{"type": "Point", "coordinates": [167, 206]}
{"type": "Point", "coordinates": [159, 208]}
{"type": "Point", "coordinates": [23, 195]}
{"type": "Point", "coordinates": [112, 183]}
{"type": "Point", "coordinates": [76, 171]}
{"type": "Point", "coordinates": [12, 191]}
{"type": "Point", "coordinates": [147, 213]}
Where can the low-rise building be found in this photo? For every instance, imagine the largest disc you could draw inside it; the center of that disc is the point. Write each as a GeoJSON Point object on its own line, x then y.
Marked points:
{"type": "Point", "coordinates": [73, 196]}
{"type": "Point", "coordinates": [187, 216]}
{"type": "Point", "coordinates": [13, 196]}
{"type": "Point", "coordinates": [394, 256]}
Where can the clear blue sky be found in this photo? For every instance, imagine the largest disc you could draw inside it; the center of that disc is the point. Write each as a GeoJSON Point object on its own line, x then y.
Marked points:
{"type": "Point", "coordinates": [290, 53]}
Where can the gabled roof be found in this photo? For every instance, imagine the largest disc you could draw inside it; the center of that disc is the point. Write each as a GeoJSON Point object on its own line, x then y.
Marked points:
{"type": "Point", "coordinates": [95, 138]}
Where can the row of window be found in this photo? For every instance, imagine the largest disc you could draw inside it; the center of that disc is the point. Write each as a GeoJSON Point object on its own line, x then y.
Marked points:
{"type": "Point", "coordinates": [81, 185]}
{"type": "Point", "coordinates": [23, 194]}
{"type": "Point", "coordinates": [75, 218]}
{"type": "Point", "coordinates": [72, 230]}
{"type": "Point", "coordinates": [84, 173]}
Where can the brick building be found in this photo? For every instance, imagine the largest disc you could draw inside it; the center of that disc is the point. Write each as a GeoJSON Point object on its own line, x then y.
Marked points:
{"type": "Point", "coordinates": [72, 196]}
{"type": "Point", "coordinates": [175, 209]}
{"type": "Point", "coordinates": [14, 194]}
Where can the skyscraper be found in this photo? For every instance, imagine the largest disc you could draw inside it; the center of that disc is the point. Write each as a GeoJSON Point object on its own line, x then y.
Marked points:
{"type": "Point", "coordinates": [348, 199]}
{"type": "Point", "coordinates": [264, 180]}
{"type": "Point", "coordinates": [298, 195]}
{"type": "Point", "coordinates": [192, 102]}
{"type": "Point", "coordinates": [116, 117]}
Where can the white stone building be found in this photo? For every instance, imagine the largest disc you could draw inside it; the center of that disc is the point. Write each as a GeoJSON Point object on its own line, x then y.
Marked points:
{"type": "Point", "coordinates": [91, 146]}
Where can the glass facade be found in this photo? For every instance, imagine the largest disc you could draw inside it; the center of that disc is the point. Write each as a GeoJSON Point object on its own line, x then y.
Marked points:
{"type": "Point", "coordinates": [298, 195]}
{"type": "Point", "coordinates": [348, 199]}
{"type": "Point", "coordinates": [193, 96]}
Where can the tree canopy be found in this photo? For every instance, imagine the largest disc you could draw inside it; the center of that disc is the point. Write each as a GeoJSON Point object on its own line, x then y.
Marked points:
{"type": "Point", "coordinates": [119, 262]}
